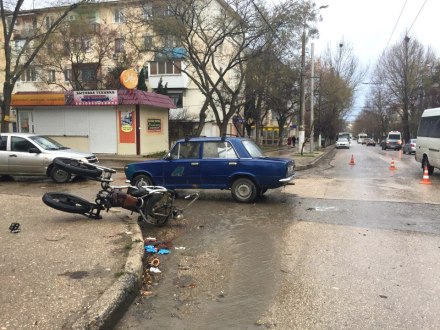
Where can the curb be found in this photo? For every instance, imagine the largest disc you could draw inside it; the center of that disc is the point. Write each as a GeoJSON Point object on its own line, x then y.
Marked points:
{"type": "Point", "coordinates": [110, 306]}
{"type": "Point", "coordinates": [313, 163]}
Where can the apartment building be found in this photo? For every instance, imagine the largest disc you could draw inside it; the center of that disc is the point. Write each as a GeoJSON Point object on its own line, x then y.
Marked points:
{"type": "Point", "coordinates": [97, 41]}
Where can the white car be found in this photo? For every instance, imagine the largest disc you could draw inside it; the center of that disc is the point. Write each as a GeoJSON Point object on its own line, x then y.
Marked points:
{"type": "Point", "coordinates": [342, 143]}
{"type": "Point", "coordinates": [23, 154]}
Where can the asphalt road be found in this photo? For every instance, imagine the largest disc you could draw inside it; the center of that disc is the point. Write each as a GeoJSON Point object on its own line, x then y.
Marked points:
{"type": "Point", "coordinates": [346, 247]}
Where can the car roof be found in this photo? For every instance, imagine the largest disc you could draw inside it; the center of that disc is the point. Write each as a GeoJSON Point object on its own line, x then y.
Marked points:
{"type": "Point", "coordinates": [19, 134]}
{"type": "Point", "coordinates": [212, 138]}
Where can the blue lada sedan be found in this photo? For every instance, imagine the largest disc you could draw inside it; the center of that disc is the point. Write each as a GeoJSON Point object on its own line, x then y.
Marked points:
{"type": "Point", "coordinates": [233, 163]}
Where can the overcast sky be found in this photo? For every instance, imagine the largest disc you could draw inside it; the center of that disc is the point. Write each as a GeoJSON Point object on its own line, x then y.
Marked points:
{"type": "Point", "coordinates": [368, 26]}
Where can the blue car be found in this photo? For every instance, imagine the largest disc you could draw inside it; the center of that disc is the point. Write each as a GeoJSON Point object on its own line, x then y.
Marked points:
{"type": "Point", "coordinates": [231, 163]}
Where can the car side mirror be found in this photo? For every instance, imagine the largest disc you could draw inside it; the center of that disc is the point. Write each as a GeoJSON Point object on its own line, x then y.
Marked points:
{"type": "Point", "coordinates": [34, 150]}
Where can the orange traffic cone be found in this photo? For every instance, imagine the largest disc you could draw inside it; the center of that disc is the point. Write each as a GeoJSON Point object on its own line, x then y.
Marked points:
{"type": "Point", "coordinates": [392, 166]}
{"type": "Point", "coordinates": [352, 161]}
{"type": "Point", "coordinates": [426, 177]}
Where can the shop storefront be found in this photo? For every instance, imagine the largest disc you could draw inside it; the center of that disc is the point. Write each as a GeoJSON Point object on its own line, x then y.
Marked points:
{"type": "Point", "coordinates": [124, 122]}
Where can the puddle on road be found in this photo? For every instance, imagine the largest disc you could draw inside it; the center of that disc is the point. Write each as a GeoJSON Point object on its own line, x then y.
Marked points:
{"type": "Point", "coordinates": [226, 276]}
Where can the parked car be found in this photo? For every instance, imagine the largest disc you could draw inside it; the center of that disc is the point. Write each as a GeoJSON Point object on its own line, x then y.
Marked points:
{"type": "Point", "coordinates": [370, 142]}
{"type": "Point", "coordinates": [342, 143]}
{"type": "Point", "coordinates": [410, 147]}
{"type": "Point", "coordinates": [24, 154]}
{"type": "Point", "coordinates": [231, 163]}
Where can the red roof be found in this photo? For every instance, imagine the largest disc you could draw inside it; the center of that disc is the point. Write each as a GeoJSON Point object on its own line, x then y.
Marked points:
{"type": "Point", "coordinates": [141, 97]}
{"type": "Point", "coordinates": [125, 97]}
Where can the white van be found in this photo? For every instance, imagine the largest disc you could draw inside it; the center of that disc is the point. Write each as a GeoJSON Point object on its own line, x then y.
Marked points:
{"type": "Point", "coordinates": [428, 140]}
{"type": "Point", "coordinates": [362, 138]}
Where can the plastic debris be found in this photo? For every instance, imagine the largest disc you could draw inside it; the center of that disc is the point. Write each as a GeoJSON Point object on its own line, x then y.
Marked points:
{"type": "Point", "coordinates": [150, 239]}
{"type": "Point", "coordinates": [180, 248]}
{"type": "Point", "coordinates": [155, 262]}
{"type": "Point", "coordinates": [15, 227]}
{"type": "Point", "coordinates": [150, 249]}
{"type": "Point", "coordinates": [163, 251]}
{"type": "Point", "coordinates": [155, 270]}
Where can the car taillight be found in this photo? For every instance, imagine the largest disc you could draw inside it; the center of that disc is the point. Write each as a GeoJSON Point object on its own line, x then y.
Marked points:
{"type": "Point", "coordinates": [399, 142]}
{"type": "Point", "coordinates": [412, 145]}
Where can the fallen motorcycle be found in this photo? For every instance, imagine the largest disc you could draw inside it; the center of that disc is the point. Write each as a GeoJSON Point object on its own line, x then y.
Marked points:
{"type": "Point", "coordinates": [154, 204]}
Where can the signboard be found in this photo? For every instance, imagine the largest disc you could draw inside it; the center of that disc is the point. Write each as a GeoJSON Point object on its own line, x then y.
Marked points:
{"type": "Point", "coordinates": [95, 97]}
{"type": "Point", "coordinates": [154, 125]}
{"type": "Point", "coordinates": [129, 78]}
{"type": "Point", "coordinates": [127, 123]}
{"type": "Point", "coordinates": [33, 99]}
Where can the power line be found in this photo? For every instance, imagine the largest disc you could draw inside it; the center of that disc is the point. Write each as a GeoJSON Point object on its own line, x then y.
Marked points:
{"type": "Point", "coordinates": [400, 15]}
{"type": "Point", "coordinates": [417, 16]}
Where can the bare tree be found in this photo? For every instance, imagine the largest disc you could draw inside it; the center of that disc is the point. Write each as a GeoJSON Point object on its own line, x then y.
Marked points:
{"type": "Point", "coordinates": [403, 69]}
{"type": "Point", "coordinates": [78, 50]}
{"type": "Point", "coordinates": [20, 59]}
{"type": "Point", "coordinates": [340, 75]}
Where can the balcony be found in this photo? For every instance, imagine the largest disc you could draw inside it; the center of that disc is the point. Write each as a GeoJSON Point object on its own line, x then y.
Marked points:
{"type": "Point", "coordinates": [174, 81]}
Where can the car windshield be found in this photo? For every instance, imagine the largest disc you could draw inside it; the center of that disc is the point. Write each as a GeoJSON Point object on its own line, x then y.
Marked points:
{"type": "Point", "coordinates": [252, 149]}
{"type": "Point", "coordinates": [47, 143]}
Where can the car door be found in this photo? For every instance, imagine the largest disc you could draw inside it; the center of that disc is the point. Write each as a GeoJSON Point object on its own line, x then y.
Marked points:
{"type": "Point", "coordinates": [219, 162]}
{"type": "Point", "coordinates": [4, 156]}
{"type": "Point", "coordinates": [182, 170]}
{"type": "Point", "coordinates": [21, 161]}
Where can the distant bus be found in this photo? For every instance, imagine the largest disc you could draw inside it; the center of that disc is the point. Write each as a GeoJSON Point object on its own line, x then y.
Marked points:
{"type": "Point", "coordinates": [362, 137]}
{"type": "Point", "coordinates": [346, 135]}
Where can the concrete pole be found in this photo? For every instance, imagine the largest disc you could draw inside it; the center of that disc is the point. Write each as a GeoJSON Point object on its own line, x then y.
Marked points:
{"type": "Point", "coordinates": [312, 79]}
{"type": "Point", "coordinates": [302, 124]}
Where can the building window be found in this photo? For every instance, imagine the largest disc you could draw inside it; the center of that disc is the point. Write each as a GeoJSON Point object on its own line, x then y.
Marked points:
{"type": "Point", "coordinates": [86, 72]}
{"type": "Point", "coordinates": [67, 74]}
{"type": "Point", "coordinates": [119, 16]}
{"type": "Point", "coordinates": [177, 99]}
{"type": "Point", "coordinates": [29, 75]}
{"type": "Point", "coordinates": [119, 45]}
{"type": "Point", "coordinates": [171, 42]}
{"type": "Point", "coordinates": [48, 21]}
{"type": "Point", "coordinates": [165, 67]}
{"type": "Point", "coordinates": [147, 11]}
{"type": "Point", "coordinates": [19, 45]}
{"type": "Point", "coordinates": [148, 42]}
{"type": "Point", "coordinates": [51, 76]}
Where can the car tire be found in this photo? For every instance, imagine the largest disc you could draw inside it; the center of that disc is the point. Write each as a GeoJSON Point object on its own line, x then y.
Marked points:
{"type": "Point", "coordinates": [142, 180]}
{"type": "Point", "coordinates": [60, 175]}
{"type": "Point", "coordinates": [244, 190]}
{"type": "Point", "coordinates": [425, 162]}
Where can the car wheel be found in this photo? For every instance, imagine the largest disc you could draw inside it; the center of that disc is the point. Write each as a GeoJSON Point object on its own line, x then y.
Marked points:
{"type": "Point", "coordinates": [142, 180]}
{"type": "Point", "coordinates": [244, 190]}
{"type": "Point", "coordinates": [59, 175]}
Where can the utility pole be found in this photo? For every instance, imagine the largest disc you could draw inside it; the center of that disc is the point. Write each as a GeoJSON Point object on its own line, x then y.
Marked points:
{"type": "Point", "coordinates": [312, 116]}
{"type": "Point", "coordinates": [302, 125]}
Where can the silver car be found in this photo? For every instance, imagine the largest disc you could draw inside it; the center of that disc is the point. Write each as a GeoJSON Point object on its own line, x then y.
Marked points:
{"type": "Point", "coordinates": [31, 154]}
{"type": "Point", "coordinates": [410, 147]}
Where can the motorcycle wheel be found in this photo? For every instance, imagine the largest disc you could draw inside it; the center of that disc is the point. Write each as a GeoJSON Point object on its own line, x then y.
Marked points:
{"type": "Point", "coordinates": [75, 167]}
{"type": "Point", "coordinates": [159, 207]}
{"type": "Point", "coordinates": [66, 203]}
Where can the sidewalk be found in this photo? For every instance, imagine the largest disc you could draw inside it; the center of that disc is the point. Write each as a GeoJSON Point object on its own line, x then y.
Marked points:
{"type": "Point", "coordinates": [302, 162]}
{"type": "Point", "coordinates": [65, 271]}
